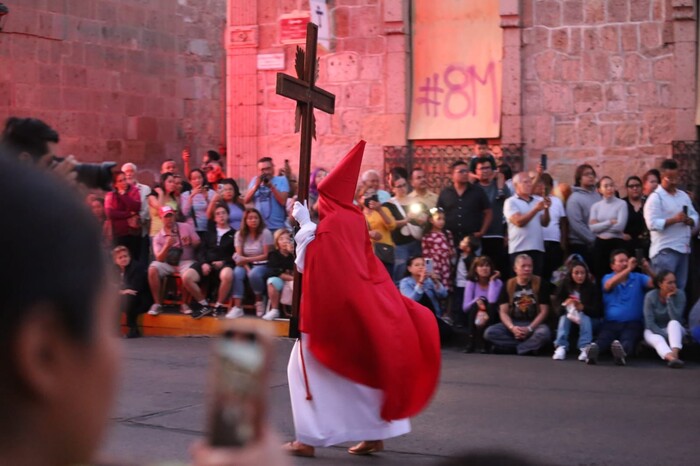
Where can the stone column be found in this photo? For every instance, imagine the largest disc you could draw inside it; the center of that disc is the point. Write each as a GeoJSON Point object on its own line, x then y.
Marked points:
{"type": "Point", "coordinates": [682, 33]}
{"type": "Point", "coordinates": [511, 108]}
{"type": "Point", "coordinates": [241, 87]}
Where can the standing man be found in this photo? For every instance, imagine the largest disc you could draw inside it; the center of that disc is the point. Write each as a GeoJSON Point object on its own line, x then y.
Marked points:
{"type": "Point", "coordinates": [131, 171]}
{"type": "Point", "coordinates": [578, 209]}
{"type": "Point", "coordinates": [467, 209]}
{"type": "Point", "coordinates": [670, 215]}
{"type": "Point", "coordinates": [494, 185]}
{"type": "Point", "coordinates": [270, 194]}
{"type": "Point", "coordinates": [526, 216]}
{"type": "Point", "coordinates": [421, 193]}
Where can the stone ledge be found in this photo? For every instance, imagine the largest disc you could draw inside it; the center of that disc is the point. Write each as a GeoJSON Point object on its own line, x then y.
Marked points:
{"type": "Point", "coordinates": [179, 325]}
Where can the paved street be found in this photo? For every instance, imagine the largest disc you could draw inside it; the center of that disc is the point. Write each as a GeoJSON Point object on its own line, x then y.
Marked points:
{"type": "Point", "coordinates": [560, 412]}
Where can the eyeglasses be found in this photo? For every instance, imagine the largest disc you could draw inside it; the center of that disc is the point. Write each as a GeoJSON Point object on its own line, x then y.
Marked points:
{"type": "Point", "coordinates": [462, 171]}
{"type": "Point", "coordinates": [399, 186]}
{"type": "Point", "coordinates": [634, 186]}
{"type": "Point", "coordinates": [588, 174]}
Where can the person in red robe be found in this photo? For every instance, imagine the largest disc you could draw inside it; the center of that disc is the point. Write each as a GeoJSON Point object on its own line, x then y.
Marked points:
{"type": "Point", "coordinates": [357, 330]}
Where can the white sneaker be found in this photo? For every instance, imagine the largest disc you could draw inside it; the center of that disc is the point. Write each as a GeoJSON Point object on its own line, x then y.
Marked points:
{"type": "Point", "coordinates": [559, 354]}
{"type": "Point", "coordinates": [272, 314]}
{"type": "Point", "coordinates": [583, 356]}
{"type": "Point", "coordinates": [235, 313]}
{"type": "Point", "coordinates": [154, 310]}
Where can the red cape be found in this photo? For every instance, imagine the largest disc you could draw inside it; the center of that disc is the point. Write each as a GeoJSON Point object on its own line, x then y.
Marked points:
{"type": "Point", "coordinates": [360, 326]}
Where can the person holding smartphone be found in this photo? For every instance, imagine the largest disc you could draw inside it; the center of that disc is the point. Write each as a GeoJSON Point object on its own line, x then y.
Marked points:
{"type": "Point", "coordinates": [194, 203]}
{"type": "Point", "coordinates": [670, 217]}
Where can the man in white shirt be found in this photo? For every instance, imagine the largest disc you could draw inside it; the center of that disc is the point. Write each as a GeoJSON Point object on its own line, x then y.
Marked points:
{"type": "Point", "coordinates": [670, 216]}
{"type": "Point", "coordinates": [130, 172]}
{"type": "Point", "coordinates": [526, 215]}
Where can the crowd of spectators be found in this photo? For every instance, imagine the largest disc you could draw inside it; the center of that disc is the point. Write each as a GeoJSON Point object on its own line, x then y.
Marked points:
{"type": "Point", "coordinates": [521, 263]}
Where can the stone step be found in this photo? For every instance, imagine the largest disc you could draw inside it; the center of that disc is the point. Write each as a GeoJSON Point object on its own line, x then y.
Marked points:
{"type": "Point", "coordinates": [173, 324]}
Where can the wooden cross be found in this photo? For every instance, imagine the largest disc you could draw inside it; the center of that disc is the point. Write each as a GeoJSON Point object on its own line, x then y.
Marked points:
{"type": "Point", "coordinates": [303, 89]}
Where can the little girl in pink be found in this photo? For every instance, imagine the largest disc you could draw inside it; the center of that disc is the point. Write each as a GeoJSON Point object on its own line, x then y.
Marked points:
{"type": "Point", "coordinates": [438, 245]}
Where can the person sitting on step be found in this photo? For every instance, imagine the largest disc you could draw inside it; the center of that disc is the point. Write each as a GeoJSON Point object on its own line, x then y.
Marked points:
{"type": "Point", "coordinates": [281, 267]}
{"type": "Point", "coordinates": [215, 266]}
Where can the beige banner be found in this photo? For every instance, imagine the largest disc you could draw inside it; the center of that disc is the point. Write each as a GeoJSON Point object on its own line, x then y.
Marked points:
{"type": "Point", "coordinates": [457, 69]}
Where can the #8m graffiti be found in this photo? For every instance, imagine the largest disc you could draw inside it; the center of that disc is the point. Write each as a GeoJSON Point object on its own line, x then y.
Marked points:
{"type": "Point", "coordinates": [460, 91]}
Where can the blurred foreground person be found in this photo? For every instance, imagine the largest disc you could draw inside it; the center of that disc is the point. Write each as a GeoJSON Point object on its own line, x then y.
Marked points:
{"type": "Point", "coordinates": [59, 352]}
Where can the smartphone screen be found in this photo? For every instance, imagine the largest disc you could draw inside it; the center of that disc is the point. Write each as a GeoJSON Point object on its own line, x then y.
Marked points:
{"type": "Point", "coordinates": [240, 364]}
{"type": "Point", "coordinates": [543, 161]}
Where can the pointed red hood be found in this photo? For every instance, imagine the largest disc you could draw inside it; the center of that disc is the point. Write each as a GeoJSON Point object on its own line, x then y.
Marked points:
{"type": "Point", "coordinates": [337, 190]}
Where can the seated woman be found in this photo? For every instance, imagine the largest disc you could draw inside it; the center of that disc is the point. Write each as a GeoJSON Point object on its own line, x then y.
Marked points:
{"type": "Point", "coordinates": [480, 300]}
{"type": "Point", "coordinates": [663, 316]}
{"type": "Point", "coordinates": [133, 287]}
{"type": "Point", "coordinates": [215, 266]}
{"type": "Point", "coordinates": [231, 195]}
{"type": "Point", "coordinates": [252, 244]}
{"type": "Point", "coordinates": [281, 279]}
{"type": "Point", "coordinates": [426, 289]}
{"type": "Point", "coordinates": [580, 304]}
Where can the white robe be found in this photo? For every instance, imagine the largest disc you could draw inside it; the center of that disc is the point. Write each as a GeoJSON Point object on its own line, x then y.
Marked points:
{"type": "Point", "coordinates": [340, 410]}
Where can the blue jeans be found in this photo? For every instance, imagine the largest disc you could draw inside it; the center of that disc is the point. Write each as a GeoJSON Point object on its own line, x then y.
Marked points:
{"type": "Point", "coordinates": [256, 277]}
{"type": "Point", "coordinates": [501, 337]}
{"type": "Point", "coordinates": [676, 262]}
{"type": "Point", "coordinates": [401, 255]}
{"type": "Point", "coordinates": [585, 332]}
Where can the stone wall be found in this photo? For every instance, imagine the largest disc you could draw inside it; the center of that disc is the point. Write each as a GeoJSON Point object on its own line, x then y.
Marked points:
{"type": "Point", "coordinates": [365, 68]}
{"type": "Point", "coordinates": [125, 80]}
{"type": "Point", "coordinates": [607, 82]}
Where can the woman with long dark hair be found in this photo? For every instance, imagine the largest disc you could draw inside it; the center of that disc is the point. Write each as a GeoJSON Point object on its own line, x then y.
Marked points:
{"type": "Point", "coordinates": [231, 195]}
{"type": "Point", "coordinates": [663, 318]}
{"type": "Point", "coordinates": [253, 242]}
{"type": "Point", "coordinates": [636, 234]}
{"type": "Point", "coordinates": [480, 300]}
{"type": "Point", "coordinates": [194, 203]}
{"type": "Point", "coordinates": [165, 193]}
{"type": "Point", "coordinates": [579, 303]}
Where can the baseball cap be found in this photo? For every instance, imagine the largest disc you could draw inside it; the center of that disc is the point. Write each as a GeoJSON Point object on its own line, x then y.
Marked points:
{"type": "Point", "coordinates": [166, 210]}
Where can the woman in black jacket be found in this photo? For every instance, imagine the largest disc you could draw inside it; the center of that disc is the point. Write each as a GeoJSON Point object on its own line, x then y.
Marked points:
{"type": "Point", "coordinates": [214, 267]}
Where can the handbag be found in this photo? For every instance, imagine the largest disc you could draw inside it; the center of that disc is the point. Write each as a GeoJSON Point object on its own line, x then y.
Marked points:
{"type": "Point", "coordinates": [384, 252]}
{"type": "Point", "coordinates": [409, 229]}
{"type": "Point", "coordinates": [174, 253]}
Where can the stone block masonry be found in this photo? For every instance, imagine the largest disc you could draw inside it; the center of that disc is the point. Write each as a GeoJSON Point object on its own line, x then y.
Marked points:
{"type": "Point", "coordinates": [123, 80]}
{"type": "Point", "coordinates": [607, 82]}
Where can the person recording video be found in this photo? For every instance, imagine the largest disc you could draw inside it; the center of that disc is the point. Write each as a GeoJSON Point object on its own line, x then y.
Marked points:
{"type": "Point", "coordinates": [33, 141]}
